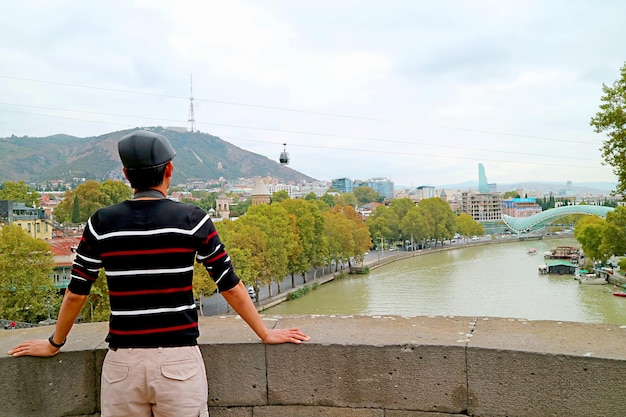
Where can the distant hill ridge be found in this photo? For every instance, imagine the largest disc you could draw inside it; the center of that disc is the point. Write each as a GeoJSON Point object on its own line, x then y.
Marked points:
{"type": "Point", "coordinates": [198, 155]}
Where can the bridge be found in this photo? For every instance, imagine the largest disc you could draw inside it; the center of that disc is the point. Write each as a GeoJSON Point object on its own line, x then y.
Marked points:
{"type": "Point", "coordinates": [537, 222]}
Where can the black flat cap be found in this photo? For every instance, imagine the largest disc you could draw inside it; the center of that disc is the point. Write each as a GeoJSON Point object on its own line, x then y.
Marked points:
{"type": "Point", "coordinates": [142, 149]}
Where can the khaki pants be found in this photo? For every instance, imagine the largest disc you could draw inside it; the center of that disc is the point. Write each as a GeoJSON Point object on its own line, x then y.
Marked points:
{"type": "Point", "coordinates": [158, 382]}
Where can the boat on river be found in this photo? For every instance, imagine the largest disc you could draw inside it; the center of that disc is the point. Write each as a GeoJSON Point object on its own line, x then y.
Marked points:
{"type": "Point", "coordinates": [565, 253]}
{"type": "Point", "coordinates": [591, 279]}
{"type": "Point", "coordinates": [557, 267]}
{"type": "Point", "coordinates": [531, 250]}
{"type": "Point", "coordinates": [586, 277]}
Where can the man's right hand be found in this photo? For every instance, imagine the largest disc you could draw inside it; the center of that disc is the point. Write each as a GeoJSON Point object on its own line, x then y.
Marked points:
{"type": "Point", "coordinates": [292, 335]}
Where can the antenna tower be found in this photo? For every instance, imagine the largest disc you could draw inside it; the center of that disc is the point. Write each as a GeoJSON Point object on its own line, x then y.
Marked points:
{"type": "Point", "coordinates": [191, 120]}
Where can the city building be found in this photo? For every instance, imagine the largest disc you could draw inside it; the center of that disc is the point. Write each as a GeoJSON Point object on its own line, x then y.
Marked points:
{"type": "Point", "coordinates": [483, 185]}
{"type": "Point", "coordinates": [443, 195]}
{"type": "Point", "coordinates": [260, 194]}
{"type": "Point", "coordinates": [383, 186]}
{"type": "Point", "coordinates": [343, 185]}
{"type": "Point", "coordinates": [520, 207]}
{"type": "Point", "coordinates": [291, 189]}
{"type": "Point", "coordinates": [222, 204]}
{"type": "Point", "coordinates": [32, 220]}
{"type": "Point", "coordinates": [424, 191]}
{"type": "Point", "coordinates": [64, 250]}
{"type": "Point", "coordinates": [483, 207]}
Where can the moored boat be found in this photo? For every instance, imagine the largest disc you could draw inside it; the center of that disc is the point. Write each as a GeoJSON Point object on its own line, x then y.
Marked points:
{"type": "Point", "coordinates": [592, 280]}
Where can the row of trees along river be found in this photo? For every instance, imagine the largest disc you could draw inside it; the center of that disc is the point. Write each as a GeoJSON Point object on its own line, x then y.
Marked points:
{"type": "Point", "coordinates": [268, 243]}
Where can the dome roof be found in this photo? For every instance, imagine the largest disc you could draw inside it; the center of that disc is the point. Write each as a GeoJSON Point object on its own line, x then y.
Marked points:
{"type": "Point", "coordinates": [260, 188]}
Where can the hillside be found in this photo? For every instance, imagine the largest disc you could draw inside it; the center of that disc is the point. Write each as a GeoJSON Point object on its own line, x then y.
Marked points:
{"type": "Point", "coordinates": [198, 155]}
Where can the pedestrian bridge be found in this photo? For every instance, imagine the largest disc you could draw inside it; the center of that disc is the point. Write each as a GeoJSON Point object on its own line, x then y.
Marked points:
{"type": "Point", "coordinates": [537, 222]}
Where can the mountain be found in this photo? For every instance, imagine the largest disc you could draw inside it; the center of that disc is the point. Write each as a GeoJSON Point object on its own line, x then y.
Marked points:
{"type": "Point", "coordinates": [198, 156]}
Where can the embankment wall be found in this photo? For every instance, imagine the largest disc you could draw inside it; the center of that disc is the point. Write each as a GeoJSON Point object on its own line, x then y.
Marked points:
{"type": "Point", "coordinates": [356, 367]}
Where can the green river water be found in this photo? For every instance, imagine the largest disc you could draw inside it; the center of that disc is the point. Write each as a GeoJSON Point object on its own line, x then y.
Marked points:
{"type": "Point", "coordinates": [498, 280]}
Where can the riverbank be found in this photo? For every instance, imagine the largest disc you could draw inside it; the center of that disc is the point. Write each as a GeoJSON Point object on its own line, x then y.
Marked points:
{"type": "Point", "coordinates": [372, 262]}
{"type": "Point", "coordinates": [375, 260]}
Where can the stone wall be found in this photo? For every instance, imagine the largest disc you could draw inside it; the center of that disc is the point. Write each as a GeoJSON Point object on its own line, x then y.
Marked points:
{"type": "Point", "coordinates": [356, 367]}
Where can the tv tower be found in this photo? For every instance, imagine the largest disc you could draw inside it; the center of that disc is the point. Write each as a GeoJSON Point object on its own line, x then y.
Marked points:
{"type": "Point", "coordinates": [191, 120]}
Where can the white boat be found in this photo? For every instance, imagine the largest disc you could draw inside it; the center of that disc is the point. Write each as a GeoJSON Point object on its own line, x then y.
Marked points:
{"type": "Point", "coordinates": [532, 250]}
{"type": "Point", "coordinates": [592, 280]}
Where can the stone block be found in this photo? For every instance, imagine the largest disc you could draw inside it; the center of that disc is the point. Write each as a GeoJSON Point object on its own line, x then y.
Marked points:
{"type": "Point", "coordinates": [387, 363]}
{"type": "Point", "coordinates": [234, 358]}
{"type": "Point", "coordinates": [315, 411]}
{"type": "Point", "coordinates": [526, 368]}
{"type": "Point", "coordinates": [230, 412]}
{"type": "Point", "coordinates": [64, 385]}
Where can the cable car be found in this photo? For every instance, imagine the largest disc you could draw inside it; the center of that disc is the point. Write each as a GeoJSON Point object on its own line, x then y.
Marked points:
{"type": "Point", "coordinates": [284, 155]}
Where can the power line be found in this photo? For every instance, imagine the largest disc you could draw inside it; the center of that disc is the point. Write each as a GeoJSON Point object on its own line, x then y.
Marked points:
{"type": "Point", "coordinates": [543, 164]}
{"type": "Point", "coordinates": [231, 103]}
{"type": "Point", "coordinates": [362, 150]}
{"type": "Point", "coordinates": [329, 135]}
{"type": "Point", "coordinates": [279, 108]}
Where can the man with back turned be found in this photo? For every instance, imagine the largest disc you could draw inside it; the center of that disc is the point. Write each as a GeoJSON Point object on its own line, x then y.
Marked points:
{"type": "Point", "coordinates": [147, 247]}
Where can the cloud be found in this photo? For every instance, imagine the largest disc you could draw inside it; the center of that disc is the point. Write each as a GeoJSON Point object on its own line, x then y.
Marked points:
{"type": "Point", "coordinates": [417, 91]}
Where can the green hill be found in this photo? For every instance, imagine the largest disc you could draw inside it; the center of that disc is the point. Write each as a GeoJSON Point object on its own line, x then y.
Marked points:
{"type": "Point", "coordinates": [198, 155]}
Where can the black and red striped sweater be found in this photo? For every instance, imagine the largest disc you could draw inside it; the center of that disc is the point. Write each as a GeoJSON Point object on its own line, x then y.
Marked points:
{"type": "Point", "coordinates": [147, 249]}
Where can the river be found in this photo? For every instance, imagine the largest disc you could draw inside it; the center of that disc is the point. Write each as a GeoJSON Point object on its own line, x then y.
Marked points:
{"type": "Point", "coordinates": [498, 280]}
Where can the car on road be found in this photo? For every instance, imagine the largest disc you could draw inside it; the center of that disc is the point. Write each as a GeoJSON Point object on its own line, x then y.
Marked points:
{"type": "Point", "coordinates": [251, 292]}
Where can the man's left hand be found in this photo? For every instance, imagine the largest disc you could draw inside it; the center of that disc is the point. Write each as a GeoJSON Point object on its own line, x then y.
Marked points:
{"type": "Point", "coordinates": [36, 347]}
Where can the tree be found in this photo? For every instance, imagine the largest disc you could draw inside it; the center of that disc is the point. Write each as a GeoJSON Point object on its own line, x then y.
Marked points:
{"type": "Point", "coordinates": [117, 191]}
{"type": "Point", "coordinates": [467, 226]}
{"type": "Point", "coordinates": [611, 120]}
{"type": "Point", "coordinates": [439, 217]}
{"type": "Point", "coordinates": [361, 239]}
{"type": "Point", "coordinates": [590, 232]}
{"type": "Point", "coordinates": [414, 226]}
{"type": "Point", "coordinates": [91, 196]}
{"type": "Point", "coordinates": [310, 230]}
{"type": "Point", "coordinates": [339, 234]}
{"type": "Point", "coordinates": [19, 191]}
{"type": "Point", "coordinates": [98, 305]}
{"type": "Point", "coordinates": [615, 233]}
{"type": "Point", "coordinates": [26, 291]}
{"type": "Point", "coordinates": [240, 208]}
{"type": "Point", "coordinates": [384, 222]}
{"type": "Point", "coordinates": [328, 199]}
{"type": "Point", "coordinates": [347, 199]}
{"type": "Point", "coordinates": [510, 194]}
{"type": "Point", "coordinates": [279, 196]}
{"type": "Point", "coordinates": [365, 194]}
{"type": "Point", "coordinates": [274, 221]}
{"type": "Point", "coordinates": [401, 206]}
{"type": "Point", "coordinates": [247, 249]}
{"type": "Point", "coordinates": [76, 210]}
{"type": "Point", "coordinates": [203, 284]}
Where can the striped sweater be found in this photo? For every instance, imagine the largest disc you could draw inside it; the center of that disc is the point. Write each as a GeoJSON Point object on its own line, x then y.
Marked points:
{"type": "Point", "coordinates": [147, 249]}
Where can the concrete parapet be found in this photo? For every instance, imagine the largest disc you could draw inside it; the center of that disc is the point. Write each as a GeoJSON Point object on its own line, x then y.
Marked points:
{"type": "Point", "coordinates": [356, 367]}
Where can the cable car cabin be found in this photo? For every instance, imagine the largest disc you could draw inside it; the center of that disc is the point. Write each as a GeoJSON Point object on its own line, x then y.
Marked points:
{"type": "Point", "coordinates": [284, 155]}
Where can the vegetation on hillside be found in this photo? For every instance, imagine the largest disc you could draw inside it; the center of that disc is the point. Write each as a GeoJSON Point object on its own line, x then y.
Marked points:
{"type": "Point", "coordinates": [199, 155]}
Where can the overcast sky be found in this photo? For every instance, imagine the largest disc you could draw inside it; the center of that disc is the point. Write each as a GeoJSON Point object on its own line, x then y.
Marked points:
{"type": "Point", "coordinates": [418, 91]}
